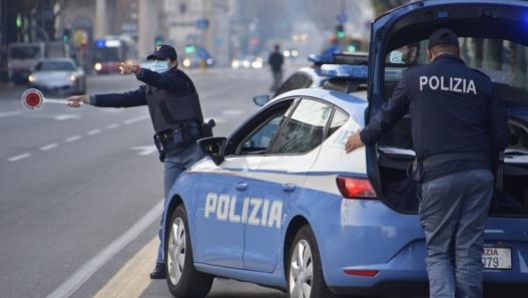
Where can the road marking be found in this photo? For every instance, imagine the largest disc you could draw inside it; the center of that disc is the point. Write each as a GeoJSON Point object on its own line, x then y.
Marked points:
{"type": "Point", "coordinates": [93, 132]}
{"type": "Point", "coordinates": [73, 139]}
{"type": "Point", "coordinates": [7, 114]}
{"type": "Point", "coordinates": [69, 286]}
{"type": "Point", "coordinates": [19, 157]}
{"type": "Point", "coordinates": [132, 279]}
{"type": "Point", "coordinates": [66, 117]}
{"type": "Point", "coordinates": [48, 147]}
{"type": "Point", "coordinates": [145, 150]}
{"type": "Point", "coordinates": [233, 112]}
{"type": "Point", "coordinates": [112, 126]}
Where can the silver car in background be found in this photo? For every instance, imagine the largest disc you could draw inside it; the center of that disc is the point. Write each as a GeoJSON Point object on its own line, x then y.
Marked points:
{"type": "Point", "coordinates": [59, 76]}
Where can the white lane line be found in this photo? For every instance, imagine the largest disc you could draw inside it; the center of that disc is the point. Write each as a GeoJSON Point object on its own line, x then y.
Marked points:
{"type": "Point", "coordinates": [19, 157]}
{"type": "Point", "coordinates": [93, 132]}
{"type": "Point", "coordinates": [232, 112]}
{"type": "Point", "coordinates": [69, 286]}
{"type": "Point", "coordinates": [137, 119]}
{"type": "Point", "coordinates": [48, 147]}
{"type": "Point", "coordinates": [7, 114]}
{"type": "Point", "coordinates": [112, 126]}
{"type": "Point", "coordinates": [73, 139]}
{"type": "Point", "coordinates": [66, 117]}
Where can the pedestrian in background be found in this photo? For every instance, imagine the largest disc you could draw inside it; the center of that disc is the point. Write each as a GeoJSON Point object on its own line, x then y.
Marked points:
{"type": "Point", "coordinates": [175, 112]}
{"type": "Point", "coordinates": [459, 130]}
{"type": "Point", "coordinates": [276, 60]}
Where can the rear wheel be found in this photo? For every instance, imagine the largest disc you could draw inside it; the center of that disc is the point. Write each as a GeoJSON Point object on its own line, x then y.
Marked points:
{"type": "Point", "coordinates": [304, 270]}
{"type": "Point", "coordinates": [182, 278]}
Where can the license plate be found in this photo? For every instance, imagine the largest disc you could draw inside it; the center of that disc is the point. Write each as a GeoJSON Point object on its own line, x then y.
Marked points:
{"type": "Point", "coordinates": [496, 258]}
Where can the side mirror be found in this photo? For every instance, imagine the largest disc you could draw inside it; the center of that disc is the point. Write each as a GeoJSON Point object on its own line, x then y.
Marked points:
{"type": "Point", "coordinates": [261, 100]}
{"type": "Point", "coordinates": [213, 147]}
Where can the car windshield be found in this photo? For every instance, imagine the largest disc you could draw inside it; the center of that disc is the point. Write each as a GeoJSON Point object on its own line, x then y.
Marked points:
{"type": "Point", "coordinates": [54, 66]}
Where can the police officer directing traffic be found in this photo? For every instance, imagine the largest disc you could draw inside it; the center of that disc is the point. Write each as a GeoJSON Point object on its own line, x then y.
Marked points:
{"type": "Point", "coordinates": [458, 130]}
{"type": "Point", "coordinates": [175, 112]}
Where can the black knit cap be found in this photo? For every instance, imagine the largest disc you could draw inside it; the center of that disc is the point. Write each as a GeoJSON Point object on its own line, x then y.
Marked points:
{"type": "Point", "coordinates": [443, 36]}
{"type": "Point", "coordinates": [163, 52]}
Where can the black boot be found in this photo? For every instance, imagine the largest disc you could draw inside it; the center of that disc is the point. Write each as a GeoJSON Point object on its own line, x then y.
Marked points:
{"type": "Point", "coordinates": [158, 272]}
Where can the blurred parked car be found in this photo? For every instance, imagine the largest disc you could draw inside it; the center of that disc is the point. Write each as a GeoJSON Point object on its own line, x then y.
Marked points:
{"type": "Point", "coordinates": [58, 75]}
{"type": "Point", "coordinates": [195, 57]}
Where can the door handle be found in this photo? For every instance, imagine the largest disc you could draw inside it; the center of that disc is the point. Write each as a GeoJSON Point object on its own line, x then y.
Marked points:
{"type": "Point", "coordinates": [241, 186]}
{"type": "Point", "coordinates": [288, 187]}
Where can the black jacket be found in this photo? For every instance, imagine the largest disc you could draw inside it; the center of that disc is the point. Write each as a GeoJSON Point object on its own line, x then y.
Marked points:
{"type": "Point", "coordinates": [453, 108]}
{"type": "Point", "coordinates": [174, 81]}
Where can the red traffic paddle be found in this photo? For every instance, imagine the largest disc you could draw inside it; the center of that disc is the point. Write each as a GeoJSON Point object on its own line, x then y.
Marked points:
{"type": "Point", "coordinates": [33, 99]}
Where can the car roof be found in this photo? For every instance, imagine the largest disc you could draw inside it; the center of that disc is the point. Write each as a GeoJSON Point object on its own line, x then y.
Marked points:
{"type": "Point", "coordinates": [334, 97]}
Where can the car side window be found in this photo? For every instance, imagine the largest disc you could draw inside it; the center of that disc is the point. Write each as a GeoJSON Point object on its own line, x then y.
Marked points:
{"type": "Point", "coordinates": [304, 130]}
{"type": "Point", "coordinates": [296, 81]}
{"type": "Point", "coordinates": [338, 120]}
{"type": "Point", "coordinates": [256, 136]}
{"type": "Point", "coordinates": [259, 141]}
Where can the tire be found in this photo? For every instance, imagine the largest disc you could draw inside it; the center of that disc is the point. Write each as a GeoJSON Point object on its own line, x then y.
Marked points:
{"type": "Point", "coordinates": [304, 270]}
{"type": "Point", "coordinates": [182, 278]}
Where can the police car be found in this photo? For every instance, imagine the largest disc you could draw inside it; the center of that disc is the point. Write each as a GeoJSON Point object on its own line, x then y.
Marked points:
{"type": "Point", "coordinates": [279, 203]}
{"type": "Point", "coordinates": [311, 76]}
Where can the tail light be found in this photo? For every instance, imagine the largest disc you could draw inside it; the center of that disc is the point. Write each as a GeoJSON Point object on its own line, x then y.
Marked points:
{"type": "Point", "coordinates": [356, 188]}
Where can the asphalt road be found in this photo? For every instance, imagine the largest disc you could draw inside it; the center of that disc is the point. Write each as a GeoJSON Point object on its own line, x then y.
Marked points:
{"type": "Point", "coordinates": [80, 189]}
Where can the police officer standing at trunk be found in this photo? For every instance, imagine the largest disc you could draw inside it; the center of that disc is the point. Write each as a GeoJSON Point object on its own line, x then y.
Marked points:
{"type": "Point", "coordinates": [175, 112]}
{"type": "Point", "coordinates": [459, 131]}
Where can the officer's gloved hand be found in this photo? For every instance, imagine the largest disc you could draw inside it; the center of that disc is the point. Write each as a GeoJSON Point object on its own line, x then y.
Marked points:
{"type": "Point", "coordinates": [127, 69]}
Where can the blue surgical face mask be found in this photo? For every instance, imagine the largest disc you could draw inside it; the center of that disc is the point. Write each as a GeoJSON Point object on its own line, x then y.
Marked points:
{"type": "Point", "coordinates": [159, 66]}
{"type": "Point", "coordinates": [396, 57]}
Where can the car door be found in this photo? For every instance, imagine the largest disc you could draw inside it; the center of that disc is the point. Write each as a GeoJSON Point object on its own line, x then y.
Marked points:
{"type": "Point", "coordinates": [278, 178]}
{"type": "Point", "coordinates": [223, 201]}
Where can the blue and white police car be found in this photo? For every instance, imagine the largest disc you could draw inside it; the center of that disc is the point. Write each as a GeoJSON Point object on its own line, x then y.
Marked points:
{"type": "Point", "coordinates": [279, 203]}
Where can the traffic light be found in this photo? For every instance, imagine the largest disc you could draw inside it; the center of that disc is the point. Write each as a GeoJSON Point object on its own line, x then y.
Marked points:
{"type": "Point", "coordinates": [340, 31]}
{"type": "Point", "coordinates": [66, 35]}
{"type": "Point", "coordinates": [190, 49]}
{"type": "Point", "coordinates": [18, 21]}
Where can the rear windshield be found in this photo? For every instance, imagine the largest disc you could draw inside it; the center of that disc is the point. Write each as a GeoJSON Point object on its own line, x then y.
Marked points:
{"type": "Point", "coordinates": [505, 62]}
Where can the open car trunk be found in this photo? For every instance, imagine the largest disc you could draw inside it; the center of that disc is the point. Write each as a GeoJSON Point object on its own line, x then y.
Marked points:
{"type": "Point", "coordinates": [492, 40]}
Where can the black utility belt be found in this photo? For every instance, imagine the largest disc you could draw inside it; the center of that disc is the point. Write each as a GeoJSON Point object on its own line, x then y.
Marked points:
{"type": "Point", "coordinates": [178, 136]}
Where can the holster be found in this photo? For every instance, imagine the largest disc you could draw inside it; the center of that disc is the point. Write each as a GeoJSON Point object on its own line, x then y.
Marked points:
{"type": "Point", "coordinates": [177, 137]}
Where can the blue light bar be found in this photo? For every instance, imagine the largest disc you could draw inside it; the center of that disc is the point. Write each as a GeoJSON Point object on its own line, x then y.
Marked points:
{"type": "Point", "coordinates": [345, 71]}
{"type": "Point", "coordinates": [100, 43]}
{"type": "Point", "coordinates": [320, 58]}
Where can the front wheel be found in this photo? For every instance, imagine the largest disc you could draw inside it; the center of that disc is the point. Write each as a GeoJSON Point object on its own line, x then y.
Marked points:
{"type": "Point", "coordinates": [182, 278]}
{"type": "Point", "coordinates": [304, 270]}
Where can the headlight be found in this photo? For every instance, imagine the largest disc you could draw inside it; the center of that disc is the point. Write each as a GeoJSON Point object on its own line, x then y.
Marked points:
{"type": "Point", "coordinates": [32, 78]}
{"type": "Point", "coordinates": [257, 64]}
{"type": "Point", "coordinates": [187, 63]}
{"type": "Point", "coordinates": [73, 78]}
{"type": "Point", "coordinates": [235, 64]}
{"type": "Point", "coordinates": [98, 66]}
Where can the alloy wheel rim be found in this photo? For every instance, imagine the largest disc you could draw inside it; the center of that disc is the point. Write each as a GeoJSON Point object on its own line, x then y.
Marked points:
{"type": "Point", "coordinates": [301, 271]}
{"type": "Point", "coordinates": [176, 251]}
